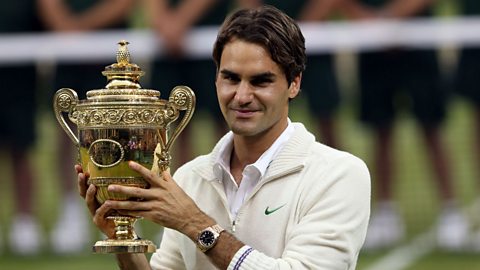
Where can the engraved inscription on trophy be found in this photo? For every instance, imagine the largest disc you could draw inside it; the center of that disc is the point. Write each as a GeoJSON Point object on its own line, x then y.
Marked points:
{"type": "Point", "coordinates": [106, 153]}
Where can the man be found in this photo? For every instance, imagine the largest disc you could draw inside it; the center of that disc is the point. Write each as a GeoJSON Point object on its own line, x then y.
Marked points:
{"type": "Point", "coordinates": [283, 200]}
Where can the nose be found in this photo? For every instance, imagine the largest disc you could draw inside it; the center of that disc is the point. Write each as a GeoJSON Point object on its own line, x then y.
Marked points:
{"type": "Point", "coordinates": [244, 93]}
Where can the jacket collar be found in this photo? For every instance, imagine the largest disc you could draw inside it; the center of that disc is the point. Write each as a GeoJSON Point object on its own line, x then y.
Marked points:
{"type": "Point", "coordinates": [290, 158]}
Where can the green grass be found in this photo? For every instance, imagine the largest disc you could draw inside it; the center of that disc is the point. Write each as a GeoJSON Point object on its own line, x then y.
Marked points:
{"type": "Point", "coordinates": [49, 262]}
{"type": "Point", "coordinates": [415, 189]}
{"type": "Point", "coordinates": [448, 261]}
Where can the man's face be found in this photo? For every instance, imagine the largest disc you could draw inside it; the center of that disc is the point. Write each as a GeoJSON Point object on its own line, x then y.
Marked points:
{"type": "Point", "coordinates": [253, 91]}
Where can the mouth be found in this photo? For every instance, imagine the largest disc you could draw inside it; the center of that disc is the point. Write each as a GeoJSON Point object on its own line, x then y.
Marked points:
{"type": "Point", "coordinates": [244, 113]}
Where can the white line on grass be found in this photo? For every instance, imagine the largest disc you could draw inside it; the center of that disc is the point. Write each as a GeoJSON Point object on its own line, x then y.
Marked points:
{"type": "Point", "coordinates": [407, 254]}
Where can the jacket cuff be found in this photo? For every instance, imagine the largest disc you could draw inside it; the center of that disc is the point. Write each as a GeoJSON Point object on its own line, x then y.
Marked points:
{"type": "Point", "coordinates": [247, 258]}
{"type": "Point", "coordinates": [239, 258]}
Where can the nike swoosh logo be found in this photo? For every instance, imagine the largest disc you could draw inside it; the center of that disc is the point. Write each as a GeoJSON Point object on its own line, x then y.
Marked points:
{"type": "Point", "coordinates": [269, 211]}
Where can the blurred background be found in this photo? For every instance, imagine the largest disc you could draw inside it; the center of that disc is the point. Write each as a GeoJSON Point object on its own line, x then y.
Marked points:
{"type": "Point", "coordinates": [395, 82]}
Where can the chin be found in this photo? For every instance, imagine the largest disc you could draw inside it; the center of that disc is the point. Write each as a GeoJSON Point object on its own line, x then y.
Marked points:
{"type": "Point", "coordinates": [239, 131]}
{"type": "Point", "coordinates": [246, 130]}
{"type": "Point", "coordinates": [242, 130]}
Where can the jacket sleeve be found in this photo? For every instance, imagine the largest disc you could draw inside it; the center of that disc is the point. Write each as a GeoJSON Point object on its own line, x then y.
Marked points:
{"type": "Point", "coordinates": [330, 221]}
{"type": "Point", "coordinates": [168, 255]}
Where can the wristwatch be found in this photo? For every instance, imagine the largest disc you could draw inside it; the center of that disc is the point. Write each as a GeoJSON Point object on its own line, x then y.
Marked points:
{"type": "Point", "coordinates": [207, 238]}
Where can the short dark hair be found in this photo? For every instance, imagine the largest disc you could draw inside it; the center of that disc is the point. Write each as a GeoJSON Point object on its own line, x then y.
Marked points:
{"type": "Point", "coordinates": [270, 28]}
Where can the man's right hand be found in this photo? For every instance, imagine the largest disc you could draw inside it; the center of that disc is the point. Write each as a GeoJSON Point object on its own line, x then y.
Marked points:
{"type": "Point", "coordinates": [98, 212]}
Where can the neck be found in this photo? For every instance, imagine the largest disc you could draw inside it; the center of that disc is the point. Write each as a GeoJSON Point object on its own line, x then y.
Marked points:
{"type": "Point", "coordinates": [248, 149]}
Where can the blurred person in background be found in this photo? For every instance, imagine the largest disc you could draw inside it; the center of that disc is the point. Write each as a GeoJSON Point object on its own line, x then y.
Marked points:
{"type": "Point", "coordinates": [70, 233]}
{"type": "Point", "coordinates": [467, 82]}
{"type": "Point", "coordinates": [172, 20]}
{"type": "Point", "coordinates": [384, 77]}
{"type": "Point", "coordinates": [319, 81]}
{"type": "Point", "coordinates": [18, 83]}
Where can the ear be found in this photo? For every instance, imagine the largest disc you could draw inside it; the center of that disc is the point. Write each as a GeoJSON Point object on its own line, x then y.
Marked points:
{"type": "Point", "coordinates": [295, 86]}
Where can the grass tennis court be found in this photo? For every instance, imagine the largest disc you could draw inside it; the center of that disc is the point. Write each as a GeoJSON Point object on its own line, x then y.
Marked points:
{"type": "Point", "coordinates": [414, 188]}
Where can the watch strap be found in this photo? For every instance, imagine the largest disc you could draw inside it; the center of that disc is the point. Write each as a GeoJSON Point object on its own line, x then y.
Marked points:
{"type": "Point", "coordinates": [215, 230]}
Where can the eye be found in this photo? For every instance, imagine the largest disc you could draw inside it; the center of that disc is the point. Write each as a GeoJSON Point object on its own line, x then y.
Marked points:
{"type": "Point", "coordinates": [261, 82]}
{"type": "Point", "coordinates": [230, 78]}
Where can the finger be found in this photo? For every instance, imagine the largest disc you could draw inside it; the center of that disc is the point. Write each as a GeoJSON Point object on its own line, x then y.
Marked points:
{"type": "Point", "coordinates": [101, 213]}
{"type": "Point", "coordinates": [166, 176]}
{"type": "Point", "coordinates": [129, 206]}
{"type": "Point", "coordinates": [91, 200]}
{"type": "Point", "coordinates": [78, 168]}
{"type": "Point", "coordinates": [135, 192]}
{"type": "Point", "coordinates": [82, 184]}
{"type": "Point", "coordinates": [148, 175]}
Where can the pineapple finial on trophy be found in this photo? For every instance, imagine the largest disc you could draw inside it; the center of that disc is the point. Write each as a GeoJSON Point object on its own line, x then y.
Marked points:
{"type": "Point", "coordinates": [123, 74]}
{"type": "Point", "coordinates": [123, 55]}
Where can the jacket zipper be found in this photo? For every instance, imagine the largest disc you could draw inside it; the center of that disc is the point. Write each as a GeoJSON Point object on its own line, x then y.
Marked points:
{"type": "Point", "coordinates": [296, 168]}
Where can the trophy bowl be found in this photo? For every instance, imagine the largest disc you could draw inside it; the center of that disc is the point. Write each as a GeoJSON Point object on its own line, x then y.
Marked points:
{"type": "Point", "coordinates": [118, 124]}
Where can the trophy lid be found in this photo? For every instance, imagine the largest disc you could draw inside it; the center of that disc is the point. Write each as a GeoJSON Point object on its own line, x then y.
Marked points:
{"type": "Point", "coordinates": [123, 80]}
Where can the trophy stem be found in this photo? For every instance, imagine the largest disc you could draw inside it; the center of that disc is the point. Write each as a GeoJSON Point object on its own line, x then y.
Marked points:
{"type": "Point", "coordinates": [126, 240]}
{"type": "Point", "coordinates": [124, 227]}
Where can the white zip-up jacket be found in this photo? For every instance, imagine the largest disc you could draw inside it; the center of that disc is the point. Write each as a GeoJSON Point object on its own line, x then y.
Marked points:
{"type": "Point", "coordinates": [310, 211]}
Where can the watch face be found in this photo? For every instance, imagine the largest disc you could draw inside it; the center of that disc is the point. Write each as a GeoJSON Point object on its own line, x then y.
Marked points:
{"type": "Point", "coordinates": [207, 238]}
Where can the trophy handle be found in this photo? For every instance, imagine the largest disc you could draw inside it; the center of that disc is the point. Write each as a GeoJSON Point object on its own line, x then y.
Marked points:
{"type": "Point", "coordinates": [65, 100]}
{"type": "Point", "coordinates": [182, 98]}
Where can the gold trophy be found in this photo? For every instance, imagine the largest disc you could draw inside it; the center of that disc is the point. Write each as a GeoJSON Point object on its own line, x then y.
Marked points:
{"type": "Point", "coordinates": [117, 124]}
